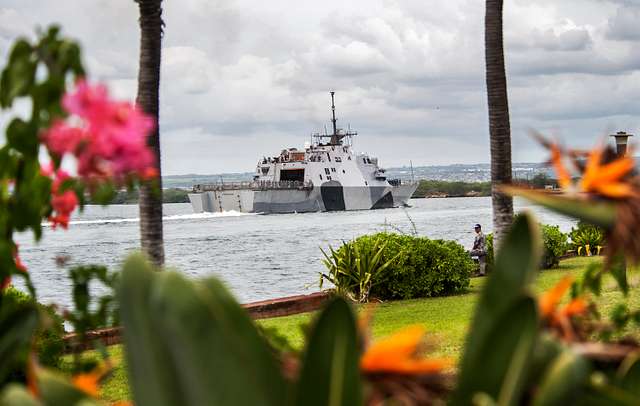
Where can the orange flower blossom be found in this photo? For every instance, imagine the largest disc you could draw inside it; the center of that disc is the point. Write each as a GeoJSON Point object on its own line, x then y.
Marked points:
{"type": "Point", "coordinates": [606, 179]}
{"type": "Point", "coordinates": [399, 353]}
{"type": "Point", "coordinates": [89, 382]}
{"type": "Point", "coordinates": [559, 317]}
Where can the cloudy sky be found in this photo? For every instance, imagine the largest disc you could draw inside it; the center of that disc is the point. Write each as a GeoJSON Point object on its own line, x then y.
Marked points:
{"type": "Point", "coordinates": [244, 78]}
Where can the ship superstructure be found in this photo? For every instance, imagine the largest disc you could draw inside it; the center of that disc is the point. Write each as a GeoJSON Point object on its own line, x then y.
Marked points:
{"type": "Point", "coordinates": [326, 175]}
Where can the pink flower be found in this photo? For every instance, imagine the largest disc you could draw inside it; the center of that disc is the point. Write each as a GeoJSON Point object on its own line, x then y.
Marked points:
{"type": "Point", "coordinates": [88, 102]}
{"type": "Point", "coordinates": [61, 138]}
{"type": "Point", "coordinates": [111, 141]}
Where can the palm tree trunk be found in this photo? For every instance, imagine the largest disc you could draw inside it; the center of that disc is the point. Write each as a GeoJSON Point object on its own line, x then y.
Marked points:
{"type": "Point", "coordinates": [150, 200]}
{"type": "Point", "coordinates": [499, 127]}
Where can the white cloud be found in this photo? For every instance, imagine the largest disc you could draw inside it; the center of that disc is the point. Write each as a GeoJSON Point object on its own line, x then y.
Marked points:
{"type": "Point", "coordinates": [244, 78]}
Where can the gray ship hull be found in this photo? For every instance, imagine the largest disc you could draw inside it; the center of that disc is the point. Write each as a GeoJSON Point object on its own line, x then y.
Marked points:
{"type": "Point", "coordinates": [330, 196]}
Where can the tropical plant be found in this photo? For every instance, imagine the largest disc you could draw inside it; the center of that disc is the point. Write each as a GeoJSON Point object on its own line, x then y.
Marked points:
{"type": "Point", "coordinates": [150, 201]}
{"type": "Point", "coordinates": [355, 268]}
{"type": "Point", "coordinates": [586, 238]}
{"type": "Point", "coordinates": [499, 127]}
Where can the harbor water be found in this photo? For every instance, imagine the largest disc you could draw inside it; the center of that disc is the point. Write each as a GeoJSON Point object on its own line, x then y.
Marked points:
{"type": "Point", "coordinates": [257, 256]}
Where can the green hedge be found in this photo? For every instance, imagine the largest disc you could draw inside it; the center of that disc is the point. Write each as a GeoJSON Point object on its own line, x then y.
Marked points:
{"type": "Point", "coordinates": [423, 267]}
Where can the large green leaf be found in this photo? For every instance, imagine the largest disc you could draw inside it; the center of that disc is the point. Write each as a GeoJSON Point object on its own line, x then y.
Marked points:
{"type": "Point", "coordinates": [219, 354]}
{"type": "Point", "coordinates": [152, 376]}
{"type": "Point", "coordinates": [565, 378]}
{"type": "Point", "coordinates": [515, 267]}
{"type": "Point", "coordinates": [17, 327]}
{"type": "Point", "coordinates": [505, 357]}
{"type": "Point", "coordinates": [192, 344]}
{"type": "Point", "coordinates": [330, 373]}
{"type": "Point", "coordinates": [598, 213]}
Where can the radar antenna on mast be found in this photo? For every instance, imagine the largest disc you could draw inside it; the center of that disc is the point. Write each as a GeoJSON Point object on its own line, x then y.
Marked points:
{"type": "Point", "coordinates": [334, 137]}
{"type": "Point", "coordinates": [338, 134]}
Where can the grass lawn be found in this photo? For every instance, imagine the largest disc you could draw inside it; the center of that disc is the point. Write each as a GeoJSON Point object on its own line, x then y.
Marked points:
{"type": "Point", "coordinates": [445, 318]}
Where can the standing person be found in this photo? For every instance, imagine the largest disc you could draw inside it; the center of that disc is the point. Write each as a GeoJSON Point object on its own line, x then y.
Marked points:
{"type": "Point", "coordinates": [480, 249]}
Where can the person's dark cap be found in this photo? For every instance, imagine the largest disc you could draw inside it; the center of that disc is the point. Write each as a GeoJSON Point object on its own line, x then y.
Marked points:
{"type": "Point", "coordinates": [477, 226]}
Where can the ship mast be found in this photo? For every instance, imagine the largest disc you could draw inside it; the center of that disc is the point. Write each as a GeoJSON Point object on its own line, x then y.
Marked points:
{"type": "Point", "coordinates": [334, 137]}
{"type": "Point", "coordinates": [338, 133]}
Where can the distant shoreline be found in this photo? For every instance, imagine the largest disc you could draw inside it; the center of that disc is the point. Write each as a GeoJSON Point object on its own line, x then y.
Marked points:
{"type": "Point", "coordinates": [427, 189]}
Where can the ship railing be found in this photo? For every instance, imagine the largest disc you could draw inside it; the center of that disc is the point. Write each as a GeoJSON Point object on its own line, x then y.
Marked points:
{"type": "Point", "coordinates": [253, 185]}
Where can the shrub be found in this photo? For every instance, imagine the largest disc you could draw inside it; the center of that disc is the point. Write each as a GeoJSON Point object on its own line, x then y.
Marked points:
{"type": "Point", "coordinates": [555, 244]}
{"type": "Point", "coordinates": [415, 266]}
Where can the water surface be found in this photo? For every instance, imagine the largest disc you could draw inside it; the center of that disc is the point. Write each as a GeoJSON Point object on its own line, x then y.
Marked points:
{"type": "Point", "coordinates": [257, 256]}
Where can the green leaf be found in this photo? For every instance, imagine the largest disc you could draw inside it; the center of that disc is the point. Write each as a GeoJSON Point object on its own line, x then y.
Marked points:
{"type": "Point", "coordinates": [151, 376]}
{"type": "Point", "coordinates": [505, 290]}
{"type": "Point", "coordinates": [598, 213]}
{"type": "Point", "coordinates": [192, 344]}
{"type": "Point", "coordinates": [505, 357]}
{"type": "Point", "coordinates": [619, 272]}
{"type": "Point", "coordinates": [546, 351]}
{"type": "Point", "coordinates": [18, 323]}
{"type": "Point", "coordinates": [330, 369]}
{"type": "Point", "coordinates": [566, 377]}
{"type": "Point", "coordinates": [17, 395]}
{"type": "Point", "coordinates": [220, 356]}
{"type": "Point", "coordinates": [23, 137]}
{"type": "Point", "coordinates": [19, 74]}
{"type": "Point", "coordinates": [592, 278]}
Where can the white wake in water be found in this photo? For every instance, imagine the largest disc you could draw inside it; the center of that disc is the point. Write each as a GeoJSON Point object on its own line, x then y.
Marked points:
{"type": "Point", "coordinates": [193, 216]}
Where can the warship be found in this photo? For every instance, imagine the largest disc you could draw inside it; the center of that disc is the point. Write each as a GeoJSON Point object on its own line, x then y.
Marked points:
{"type": "Point", "coordinates": [326, 175]}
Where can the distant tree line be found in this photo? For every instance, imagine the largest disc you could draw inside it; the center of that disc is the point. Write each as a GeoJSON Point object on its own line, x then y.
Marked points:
{"type": "Point", "coordinates": [172, 195]}
{"type": "Point", "coordinates": [452, 189]}
{"type": "Point", "coordinates": [428, 187]}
